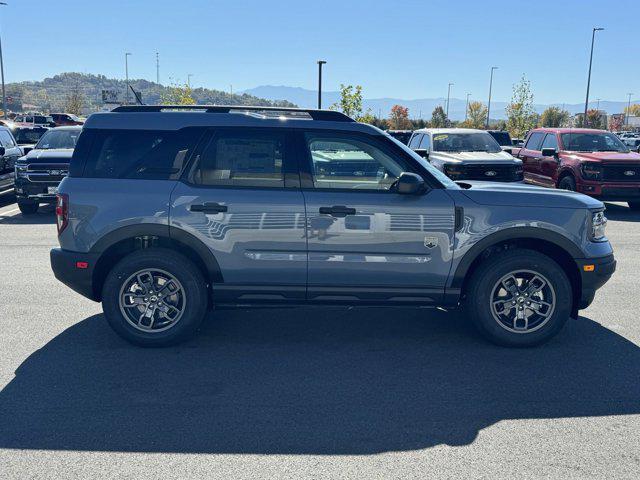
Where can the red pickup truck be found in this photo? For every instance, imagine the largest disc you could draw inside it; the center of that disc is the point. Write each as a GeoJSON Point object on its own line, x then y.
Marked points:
{"type": "Point", "coordinates": [593, 162]}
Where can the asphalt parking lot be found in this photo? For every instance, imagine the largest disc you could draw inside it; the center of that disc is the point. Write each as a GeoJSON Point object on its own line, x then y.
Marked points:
{"type": "Point", "coordinates": [308, 393]}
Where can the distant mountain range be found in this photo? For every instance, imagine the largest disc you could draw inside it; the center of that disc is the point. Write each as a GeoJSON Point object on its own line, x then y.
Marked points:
{"type": "Point", "coordinates": [418, 108]}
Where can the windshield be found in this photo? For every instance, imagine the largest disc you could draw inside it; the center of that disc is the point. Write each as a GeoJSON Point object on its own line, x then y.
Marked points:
{"type": "Point", "coordinates": [441, 177]}
{"type": "Point", "coordinates": [26, 136]}
{"type": "Point", "coordinates": [465, 142]}
{"type": "Point", "coordinates": [593, 142]}
{"type": "Point", "coordinates": [58, 139]}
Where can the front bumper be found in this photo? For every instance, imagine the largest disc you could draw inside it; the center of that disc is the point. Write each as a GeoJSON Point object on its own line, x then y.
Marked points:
{"type": "Point", "coordinates": [611, 191]}
{"type": "Point", "coordinates": [41, 191]}
{"type": "Point", "coordinates": [69, 268]}
{"type": "Point", "coordinates": [594, 273]}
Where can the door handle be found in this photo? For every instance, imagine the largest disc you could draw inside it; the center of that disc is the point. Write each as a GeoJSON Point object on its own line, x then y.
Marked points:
{"type": "Point", "coordinates": [338, 211]}
{"type": "Point", "coordinates": [208, 207]}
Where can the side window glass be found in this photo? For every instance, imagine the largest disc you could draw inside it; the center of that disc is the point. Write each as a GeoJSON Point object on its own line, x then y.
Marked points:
{"type": "Point", "coordinates": [350, 163]}
{"type": "Point", "coordinates": [550, 141]}
{"type": "Point", "coordinates": [425, 142]}
{"type": "Point", "coordinates": [244, 158]}
{"type": "Point", "coordinates": [535, 139]}
{"type": "Point", "coordinates": [415, 141]}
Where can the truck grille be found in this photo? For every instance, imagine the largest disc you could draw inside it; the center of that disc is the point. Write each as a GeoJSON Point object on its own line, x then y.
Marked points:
{"type": "Point", "coordinates": [47, 172]}
{"type": "Point", "coordinates": [493, 173]}
{"type": "Point", "coordinates": [621, 173]}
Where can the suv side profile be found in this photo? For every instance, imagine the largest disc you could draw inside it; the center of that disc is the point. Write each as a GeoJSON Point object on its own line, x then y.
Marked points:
{"type": "Point", "coordinates": [168, 212]}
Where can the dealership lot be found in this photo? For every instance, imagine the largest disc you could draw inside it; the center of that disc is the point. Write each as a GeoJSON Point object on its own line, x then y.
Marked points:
{"type": "Point", "coordinates": [310, 393]}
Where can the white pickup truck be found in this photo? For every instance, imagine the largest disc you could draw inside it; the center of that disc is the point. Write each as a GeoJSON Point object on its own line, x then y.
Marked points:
{"type": "Point", "coordinates": [466, 154]}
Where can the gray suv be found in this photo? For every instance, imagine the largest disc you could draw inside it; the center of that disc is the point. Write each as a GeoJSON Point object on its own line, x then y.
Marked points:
{"type": "Point", "coordinates": [168, 212]}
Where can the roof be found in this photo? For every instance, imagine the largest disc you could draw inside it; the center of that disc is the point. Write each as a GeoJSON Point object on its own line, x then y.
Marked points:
{"type": "Point", "coordinates": [449, 130]}
{"type": "Point", "coordinates": [569, 130]}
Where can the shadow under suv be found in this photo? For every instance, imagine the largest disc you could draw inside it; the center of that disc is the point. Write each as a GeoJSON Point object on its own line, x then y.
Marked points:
{"type": "Point", "coordinates": [168, 212]}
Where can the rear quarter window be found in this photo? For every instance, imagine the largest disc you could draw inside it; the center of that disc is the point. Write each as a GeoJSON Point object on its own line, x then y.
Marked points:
{"type": "Point", "coordinates": [139, 154]}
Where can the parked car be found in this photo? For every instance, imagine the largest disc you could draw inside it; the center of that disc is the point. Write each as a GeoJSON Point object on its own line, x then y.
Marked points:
{"type": "Point", "coordinates": [503, 138]}
{"type": "Point", "coordinates": [593, 162]}
{"type": "Point", "coordinates": [27, 137]}
{"type": "Point", "coordinates": [39, 172]}
{"type": "Point", "coordinates": [34, 121]}
{"type": "Point", "coordinates": [466, 154]}
{"type": "Point", "coordinates": [9, 153]}
{"type": "Point", "coordinates": [66, 119]}
{"type": "Point", "coordinates": [166, 214]}
{"type": "Point", "coordinates": [401, 135]}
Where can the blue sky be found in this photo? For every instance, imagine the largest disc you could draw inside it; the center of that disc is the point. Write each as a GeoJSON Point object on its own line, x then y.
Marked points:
{"type": "Point", "coordinates": [402, 49]}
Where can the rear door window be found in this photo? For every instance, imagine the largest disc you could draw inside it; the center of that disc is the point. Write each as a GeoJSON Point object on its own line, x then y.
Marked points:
{"type": "Point", "coordinates": [140, 154]}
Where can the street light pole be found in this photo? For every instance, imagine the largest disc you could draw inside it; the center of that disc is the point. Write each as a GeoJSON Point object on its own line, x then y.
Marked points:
{"type": "Point", "coordinates": [489, 102]}
{"type": "Point", "coordinates": [4, 95]}
{"type": "Point", "coordinates": [448, 97]}
{"type": "Point", "coordinates": [126, 73]}
{"type": "Point", "coordinates": [466, 108]}
{"type": "Point", "coordinates": [157, 68]}
{"type": "Point", "coordinates": [628, 108]}
{"type": "Point", "coordinates": [189, 75]}
{"type": "Point", "coordinates": [586, 102]}
{"type": "Point", "coordinates": [320, 63]}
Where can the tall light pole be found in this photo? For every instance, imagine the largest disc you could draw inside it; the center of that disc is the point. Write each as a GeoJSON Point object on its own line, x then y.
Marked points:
{"type": "Point", "coordinates": [628, 108]}
{"type": "Point", "coordinates": [4, 95]}
{"type": "Point", "coordinates": [320, 63]}
{"type": "Point", "coordinates": [489, 102]}
{"type": "Point", "coordinates": [598, 104]}
{"type": "Point", "coordinates": [157, 68]}
{"type": "Point", "coordinates": [586, 102]}
{"type": "Point", "coordinates": [126, 73]}
{"type": "Point", "coordinates": [448, 97]}
{"type": "Point", "coordinates": [189, 75]}
{"type": "Point", "coordinates": [466, 108]}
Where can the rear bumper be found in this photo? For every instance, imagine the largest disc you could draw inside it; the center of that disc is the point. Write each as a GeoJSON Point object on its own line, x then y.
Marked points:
{"type": "Point", "coordinates": [66, 268]}
{"type": "Point", "coordinates": [593, 279]}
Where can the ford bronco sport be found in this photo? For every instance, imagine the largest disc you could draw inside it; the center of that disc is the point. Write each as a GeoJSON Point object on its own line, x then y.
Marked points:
{"type": "Point", "coordinates": [168, 212]}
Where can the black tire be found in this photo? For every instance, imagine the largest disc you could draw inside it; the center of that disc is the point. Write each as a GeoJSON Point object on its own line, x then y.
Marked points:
{"type": "Point", "coordinates": [478, 300]}
{"type": "Point", "coordinates": [28, 207]}
{"type": "Point", "coordinates": [634, 205]}
{"type": "Point", "coordinates": [156, 259]}
{"type": "Point", "coordinates": [567, 183]}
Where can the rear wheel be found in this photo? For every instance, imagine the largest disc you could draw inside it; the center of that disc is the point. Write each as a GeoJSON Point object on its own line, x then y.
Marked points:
{"type": "Point", "coordinates": [155, 297]}
{"type": "Point", "coordinates": [28, 207]}
{"type": "Point", "coordinates": [567, 183]}
{"type": "Point", "coordinates": [519, 298]}
{"type": "Point", "coordinates": [634, 205]}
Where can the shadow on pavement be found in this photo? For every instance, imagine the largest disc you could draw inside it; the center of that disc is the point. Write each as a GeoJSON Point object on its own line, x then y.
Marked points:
{"type": "Point", "coordinates": [305, 381]}
{"type": "Point", "coordinates": [44, 216]}
{"type": "Point", "coordinates": [622, 213]}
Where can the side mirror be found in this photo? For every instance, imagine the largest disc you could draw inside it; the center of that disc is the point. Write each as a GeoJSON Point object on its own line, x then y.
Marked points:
{"type": "Point", "coordinates": [549, 152]}
{"type": "Point", "coordinates": [422, 152]}
{"type": "Point", "coordinates": [409, 184]}
{"type": "Point", "coordinates": [26, 150]}
{"type": "Point", "coordinates": [2, 151]}
{"type": "Point", "coordinates": [508, 150]}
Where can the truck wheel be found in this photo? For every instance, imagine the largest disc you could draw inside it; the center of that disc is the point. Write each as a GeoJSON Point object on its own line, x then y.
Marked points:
{"type": "Point", "coordinates": [634, 205]}
{"type": "Point", "coordinates": [519, 298]}
{"type": "Point", "coordinates": [28, 207]}
{"type": "Point", "coordinates": [567, 183]}
{"type": "Point", "coordinates": [155, 297]}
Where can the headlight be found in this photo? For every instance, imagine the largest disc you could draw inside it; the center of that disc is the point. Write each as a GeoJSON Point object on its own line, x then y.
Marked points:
{"type": "Point", "coordinates": [591, 171]}
{"type": "Point", "coordinates": [598, 226]}
{"type": "Point", "coordinates": [21, 170]}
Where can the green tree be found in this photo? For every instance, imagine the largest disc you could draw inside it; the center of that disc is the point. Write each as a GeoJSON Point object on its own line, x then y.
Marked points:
{"type": "Point", "coordinates": [521, 117]}
{"type": "Point", "coordinates": [633, 110]}
{"type": "Point", "coordinates": [399, 118]}
{"type": "Point", "coordinates": [595, 119]}
{"type": "Point", "coordinates": [476, 116]}
{"type": "Point", "coordinates": [350, 101]}
{"type": "Point", "coordinates": [177, 94]}
{"type": "Point", "coordinates": [554, 117]}
{"type": "Point", "coordinates": [438, 117]}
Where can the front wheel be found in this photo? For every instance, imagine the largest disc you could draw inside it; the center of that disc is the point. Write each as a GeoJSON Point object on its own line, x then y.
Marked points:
{"type": "Point", "coordinates": [155, 297]}
{"type": "Point", "coordinates": [519, 298]}
{"type": "Point", "coordinates": [567, 183]}
{"type": "Point", "coordinates": [28, 207]}
{"type": "Point", "coordinates": [634, 205]}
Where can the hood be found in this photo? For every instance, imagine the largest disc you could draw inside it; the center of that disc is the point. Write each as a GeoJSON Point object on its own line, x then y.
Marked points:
{"type": "Point", "coordinates": [605, 156]}
{"type": "Point", "coordinates": [474, 157]}
{"type": "Point", "coordinates": [44, 156]}
{"type": "Point", "coordinates": [521, 195]}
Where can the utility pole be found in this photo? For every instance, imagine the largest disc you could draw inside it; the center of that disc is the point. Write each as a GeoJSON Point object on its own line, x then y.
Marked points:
{"type": "Point", "coordinates": [598, 104]}
{"type": "Point", "coordinates": [448, 96]}
{"type": "Point", "coordinates": [585, 123]}
{"type": "Point", "coordinates": [126, 72]}
{"type": "Point", "coordinates": [628, 108]}
{"type": "Point", "coordinates": [320, 63]}
{"type": "Point", "coordinates": [466, 108]}
{"type": "Point", "coordinates": [189, 75]}
{"type": "Point", "coordinates": [230, 89]}
{"type": "Point", "coordinates": [489, 103]}
{"type": "Point", "coordinates": [4, 95]}
{"type": "Point", "coordinates": [157, 68]}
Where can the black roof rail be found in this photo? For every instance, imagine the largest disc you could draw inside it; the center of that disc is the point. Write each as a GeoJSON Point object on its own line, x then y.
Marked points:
{"type": "Point", "coordinates": [327, 115]}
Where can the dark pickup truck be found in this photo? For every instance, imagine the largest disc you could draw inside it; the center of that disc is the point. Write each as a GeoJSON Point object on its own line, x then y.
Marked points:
{"type": "Point", "coordinates": [38, 173]}
{"type": "Point", "coordinates": [589, 161]}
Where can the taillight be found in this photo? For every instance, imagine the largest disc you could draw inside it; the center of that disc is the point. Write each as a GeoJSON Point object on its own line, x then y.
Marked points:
{"type": "Point", "coordinates": [62, 211]}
